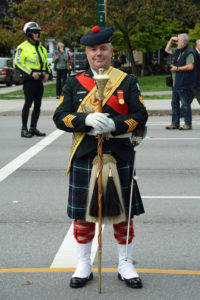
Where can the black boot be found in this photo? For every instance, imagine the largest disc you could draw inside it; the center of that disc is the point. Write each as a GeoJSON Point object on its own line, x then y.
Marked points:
{"type": "Point", "coordinates": [25, 133]}
{"type": "Point", "coordinates": [35, 131]}
{"type": "Point", "coordinates": [77, 282]}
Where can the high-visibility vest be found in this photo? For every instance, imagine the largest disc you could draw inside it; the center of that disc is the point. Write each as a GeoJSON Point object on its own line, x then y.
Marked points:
{"type": "Point", "coordinates": [27, 58]}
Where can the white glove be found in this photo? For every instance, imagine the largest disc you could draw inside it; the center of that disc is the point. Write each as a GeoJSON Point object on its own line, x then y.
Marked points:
{"type": "Point", "coordinates": [110, 127]}
{"type": "Point", "coordinates": [92, 132]}
{"type": "Point", "coordinates": [96, 120]}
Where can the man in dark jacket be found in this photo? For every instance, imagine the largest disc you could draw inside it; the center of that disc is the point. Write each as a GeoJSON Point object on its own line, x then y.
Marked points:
{"type": "Point", "coordinates": [60, 61]}
{"type": "Point", "coordinates": [183, 75]}
{"type": "Point", "coordinates": [123, 112]}
{"type": "Point", "coordinates": [195, 92]}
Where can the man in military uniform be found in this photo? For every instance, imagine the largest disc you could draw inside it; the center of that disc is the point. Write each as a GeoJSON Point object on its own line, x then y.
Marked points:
{"type": "Point", "coordinates": [31, 60]}
{"type": "Point", "coordinates": [123, 112]}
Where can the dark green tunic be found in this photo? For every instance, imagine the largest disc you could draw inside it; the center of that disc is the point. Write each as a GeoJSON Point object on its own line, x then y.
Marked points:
{"type": "Point", "coordinates": [74, 93]}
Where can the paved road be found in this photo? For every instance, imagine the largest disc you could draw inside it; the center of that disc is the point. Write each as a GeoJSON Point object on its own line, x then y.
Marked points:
{"type": "Point", "coordinates": [35, 232]}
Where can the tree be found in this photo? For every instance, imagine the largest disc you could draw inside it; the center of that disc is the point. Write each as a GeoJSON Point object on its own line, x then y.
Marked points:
{"type": "Point", "coordinates": [144, 25]}
{"type": "Point", "coordinates": [147, 24]}
{"type": "Point", "coordinates": [63, 19]}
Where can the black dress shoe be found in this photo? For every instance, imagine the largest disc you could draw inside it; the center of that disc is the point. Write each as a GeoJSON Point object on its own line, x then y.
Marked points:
{"type": "Point", "coordinates": [77, 282]}
{"type": "Point", "coordinates": [135, 283]}
{"type": "Point", "coordinates": [35, 131]}
{"type": "Point", "coordinates": [25, 133]}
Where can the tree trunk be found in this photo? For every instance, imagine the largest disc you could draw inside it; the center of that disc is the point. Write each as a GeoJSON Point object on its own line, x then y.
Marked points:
{"type": "Point", "coordinates": [143, 64]}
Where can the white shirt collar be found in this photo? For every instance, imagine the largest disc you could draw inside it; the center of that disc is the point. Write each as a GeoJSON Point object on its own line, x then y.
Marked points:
{"type": "Point", "coordinates": [94, 72]}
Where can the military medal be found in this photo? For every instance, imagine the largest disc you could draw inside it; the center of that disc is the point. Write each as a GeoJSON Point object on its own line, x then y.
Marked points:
{"type": "Point", "coordinates": [120, 95]}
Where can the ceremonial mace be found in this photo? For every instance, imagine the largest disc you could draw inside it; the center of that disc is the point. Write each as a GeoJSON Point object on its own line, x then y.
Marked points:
{"type": "Point", "coordinates": [101, 80]}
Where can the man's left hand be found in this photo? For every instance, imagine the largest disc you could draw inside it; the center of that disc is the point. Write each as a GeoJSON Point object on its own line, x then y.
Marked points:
{"type": "Point", "coordinates": [110, 127]}
{"type": "Point", "coordinates": [46, 77]}
{"type": "Point", "coordinates": [173, 68]}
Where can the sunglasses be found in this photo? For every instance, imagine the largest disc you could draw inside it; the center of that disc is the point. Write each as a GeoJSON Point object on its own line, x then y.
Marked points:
{"type": "Point", "coordinates": [36, 31]}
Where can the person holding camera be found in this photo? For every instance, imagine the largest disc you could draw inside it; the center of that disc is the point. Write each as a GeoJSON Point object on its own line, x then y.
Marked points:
{"type": "Point", "coordinates": [183, 75]}
{"type": "Point", "coordinates": [195, 92]}
{"type": "Point", "coordinates": [61, 60]}
{"type": "Point", "coordinates": [31, 60]}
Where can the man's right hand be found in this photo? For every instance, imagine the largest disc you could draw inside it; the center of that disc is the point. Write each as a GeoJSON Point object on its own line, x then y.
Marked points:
{"type": "Point", "coordinates": [174, 38]}
{"type": "Point", "coordinates": [35, 75]}
{"type": "Point", "coordinates": [97, 120]}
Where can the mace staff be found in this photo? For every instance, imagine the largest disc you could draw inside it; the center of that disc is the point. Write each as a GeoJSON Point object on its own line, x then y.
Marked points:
{"type": "Point", "coordinates": [101, 80]}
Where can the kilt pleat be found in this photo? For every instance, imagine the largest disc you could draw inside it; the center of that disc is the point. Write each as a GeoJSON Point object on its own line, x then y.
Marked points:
{"type": "Point", "coordinates": [79, 180]}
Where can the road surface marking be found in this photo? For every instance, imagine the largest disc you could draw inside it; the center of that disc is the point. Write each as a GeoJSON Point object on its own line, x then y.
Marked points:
{"type": "Point", "coordinates": [66, 256]}
{"type": "Point", "coordinates": [104, 270]}
{"type": "Point", "coordinates": [28, 154]}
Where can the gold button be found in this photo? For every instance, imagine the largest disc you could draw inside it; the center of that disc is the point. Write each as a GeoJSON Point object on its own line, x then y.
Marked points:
{"type": "Point", "coordinates": [121, 101]}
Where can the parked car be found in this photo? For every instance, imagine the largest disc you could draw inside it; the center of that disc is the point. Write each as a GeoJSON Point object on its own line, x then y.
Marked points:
{"type": "Point", "coordinates": [17, 76]}
{"type": "Point", "coordinates": [8, 73]}
{"type": "Point", "coordinates": [6, 70]}
{"type": "Point", "coordinates": [51, 65]}
{"type": "Point", "coordinates": [79, 61]}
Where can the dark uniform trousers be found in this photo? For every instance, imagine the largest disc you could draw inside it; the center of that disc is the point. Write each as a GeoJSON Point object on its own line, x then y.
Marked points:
{"type": "Point", "coordinates": [33, 91]}
{"type": "Point", "coordinates": [60, 80]}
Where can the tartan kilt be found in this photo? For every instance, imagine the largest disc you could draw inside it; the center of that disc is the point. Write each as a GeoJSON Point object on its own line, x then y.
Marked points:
{"type": "Point", "coordinates": [79, 180]}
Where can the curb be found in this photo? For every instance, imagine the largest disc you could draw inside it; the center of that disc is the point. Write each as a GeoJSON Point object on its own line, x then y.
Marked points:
{"type": "Point", "coordinates": [51, 112]}
{"type": "Point", "coordinates": [18, 113]}
{"type": "Point", "coordinates": [169, 112]}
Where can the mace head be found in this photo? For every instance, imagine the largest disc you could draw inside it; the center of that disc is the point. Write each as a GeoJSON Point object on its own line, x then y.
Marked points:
{"type": "Point", "coordinates": [101, 80]}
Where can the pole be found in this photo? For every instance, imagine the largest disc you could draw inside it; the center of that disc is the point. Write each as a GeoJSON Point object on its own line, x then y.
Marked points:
{"type": "Point", "coordinates": [100, 201]}
{"type": "Point", "coordinates": [101, 80]}
{"type": "Point", "coordinates": [129, 212]}
{"type": "Point", "coordinates": [106, 12]}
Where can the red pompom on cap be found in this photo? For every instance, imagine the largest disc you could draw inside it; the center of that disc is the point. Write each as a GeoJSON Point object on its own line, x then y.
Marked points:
{"type": "Point", "coordinates": [95, 29]}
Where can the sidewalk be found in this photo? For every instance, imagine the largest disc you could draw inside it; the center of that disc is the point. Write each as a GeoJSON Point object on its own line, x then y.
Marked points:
{"type": "Point", "coordinates": [14, 107]}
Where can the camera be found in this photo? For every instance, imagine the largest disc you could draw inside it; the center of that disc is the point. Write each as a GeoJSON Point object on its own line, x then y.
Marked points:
{"type": "Point", "coordinates": [41, 75]}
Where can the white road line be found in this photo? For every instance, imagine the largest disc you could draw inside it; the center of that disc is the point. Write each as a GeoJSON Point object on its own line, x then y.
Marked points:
{"type": "Point", "coordinates": [171, 197]}
{"type": "Point", "coordinates": [66, 256]}
{"type": "Point", "coordinates": [24, 157]}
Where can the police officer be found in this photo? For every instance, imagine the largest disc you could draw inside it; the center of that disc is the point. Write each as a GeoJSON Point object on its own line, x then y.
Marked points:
{"type": "Point", "coordinates": [123, 112]}
{"type": "Point", "coordinates": [31, 60]}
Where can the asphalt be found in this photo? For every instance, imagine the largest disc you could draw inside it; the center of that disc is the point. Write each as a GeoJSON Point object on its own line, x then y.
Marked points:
{"type": "Point", "coordinates": [155, 106]}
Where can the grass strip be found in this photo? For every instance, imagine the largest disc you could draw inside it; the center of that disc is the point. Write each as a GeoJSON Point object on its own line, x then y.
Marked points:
{"type": "Point", "coordinates": [49, 91]}
{"type": "Point", "coordinates": [153, 83]}
{"type": "Point", "coordinates": [156, 97]}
